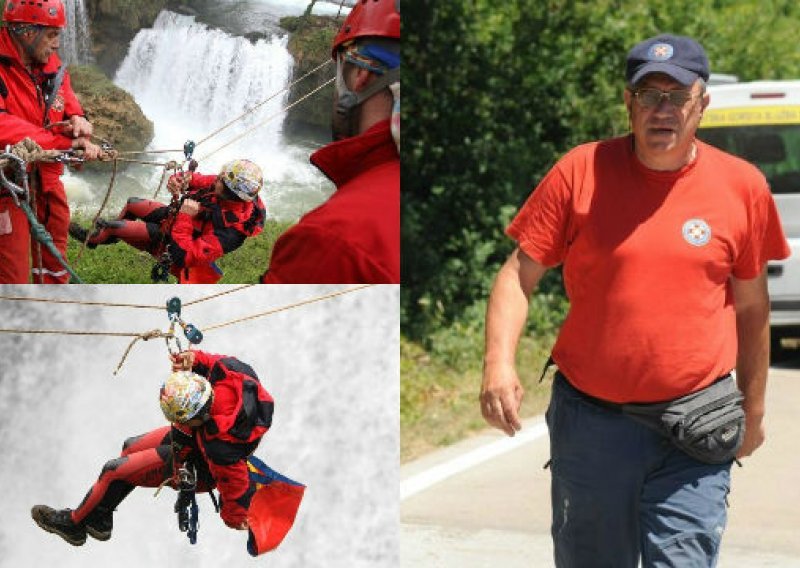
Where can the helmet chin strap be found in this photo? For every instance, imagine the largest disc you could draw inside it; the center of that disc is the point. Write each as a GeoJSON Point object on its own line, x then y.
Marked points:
{"type": "Point", "coordinates": [345, 116]}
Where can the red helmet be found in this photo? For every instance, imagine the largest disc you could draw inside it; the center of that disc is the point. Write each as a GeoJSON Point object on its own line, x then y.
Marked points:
{"type": "Point", "coordinates": [48, 13]}
{"type": "Point", "coordinates": [370, 18]}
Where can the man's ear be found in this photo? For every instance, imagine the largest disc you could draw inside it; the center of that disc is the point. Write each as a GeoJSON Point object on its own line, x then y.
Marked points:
{"type": "Point", "coordinates": [627, 96]}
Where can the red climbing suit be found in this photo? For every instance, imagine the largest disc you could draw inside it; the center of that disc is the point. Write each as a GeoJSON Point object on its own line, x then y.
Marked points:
{"type": "Point", "coordinates": [194, 243]}
{"type": "Point", "coordinates": [240, 415]}
{"type": "Point", "coordinates": [354, 237]}
{"type": "Point", "coordinates": [22, 114]}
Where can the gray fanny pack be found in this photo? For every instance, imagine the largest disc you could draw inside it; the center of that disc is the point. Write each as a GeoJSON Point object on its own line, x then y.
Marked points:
{"type": "Point", "coordinates": [707, 424]}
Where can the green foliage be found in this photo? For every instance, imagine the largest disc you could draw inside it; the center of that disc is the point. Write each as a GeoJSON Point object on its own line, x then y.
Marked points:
{"type": "Point", "coordinates": [310, 41]}
{"type": "Point", "coordinates": [123, 264]}
{"type": "Point", "coordinates": [500, 90]}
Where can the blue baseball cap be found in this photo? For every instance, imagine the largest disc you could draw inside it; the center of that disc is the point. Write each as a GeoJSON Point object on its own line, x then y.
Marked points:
{"type": "Point", "coordinates": [680, 57]}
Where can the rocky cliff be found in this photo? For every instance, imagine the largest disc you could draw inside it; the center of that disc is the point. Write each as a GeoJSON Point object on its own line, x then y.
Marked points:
{"type": "Point", "coordinates": [310, 42]}
{"type": "Point", "coordinates": [113, 112]}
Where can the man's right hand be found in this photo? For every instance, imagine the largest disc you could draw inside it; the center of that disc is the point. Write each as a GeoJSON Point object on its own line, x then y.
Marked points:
{"type": "Point", "coordinates": [176, 183]}
{"type": "Point", "coordinates": [90, 151]}
{"type": "Point", "coordinates": [183, 361]}
{"type": "Point", "coordinates": [501, 396]}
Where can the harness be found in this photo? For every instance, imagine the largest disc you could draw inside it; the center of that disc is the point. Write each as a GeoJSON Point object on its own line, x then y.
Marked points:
{"type": "Point", "coordinates": [21, 195]}
{"type": "Point", "coordinates": [161, 269]}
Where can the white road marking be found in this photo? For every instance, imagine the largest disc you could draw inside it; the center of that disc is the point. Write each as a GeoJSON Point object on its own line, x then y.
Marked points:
{"type": "Point", "coordinates": [422, 481]}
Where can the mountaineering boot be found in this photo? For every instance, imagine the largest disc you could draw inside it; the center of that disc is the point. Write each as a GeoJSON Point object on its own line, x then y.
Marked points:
{"type": "Point", "coordinates": [59, 522]}
{"type": "Point", "coordinates": [79, 234]}
{"type": "Point", "coordinates": [99, 523]}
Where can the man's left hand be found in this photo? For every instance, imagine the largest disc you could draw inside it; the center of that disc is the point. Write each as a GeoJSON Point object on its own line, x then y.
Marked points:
{"type": "Point", "coordinates": [79, 127]}
{"type": "Point", "coordinates": [754, 436]}
{"type": "Point", "coordinates": [190, 207]}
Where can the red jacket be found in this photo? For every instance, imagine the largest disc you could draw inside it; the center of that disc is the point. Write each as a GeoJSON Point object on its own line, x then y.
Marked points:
{"type": "Point", "coordinates": [22, 106]}
{"type": "Point", "coordinates": [354, 237]}
{"type": "Point", "coordinates": [221, 227]}
{"type": "Point", "coordinates": [240, 415]}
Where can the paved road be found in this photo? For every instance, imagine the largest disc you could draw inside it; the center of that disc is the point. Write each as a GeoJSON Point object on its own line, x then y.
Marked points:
{"type": "Point", "coordinates": [496, 512]}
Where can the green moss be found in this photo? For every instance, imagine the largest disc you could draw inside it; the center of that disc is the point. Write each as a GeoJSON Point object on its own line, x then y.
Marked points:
{"type": "Point", "coordinates": [310, 44]}
{"type": "Point", "coordinates": [123, 264]}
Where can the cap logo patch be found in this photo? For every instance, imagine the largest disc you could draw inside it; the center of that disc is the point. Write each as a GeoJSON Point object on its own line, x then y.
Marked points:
{"type": "Point", "coordinates": [696, 232]}
{"type": "Point", "coordinates": [53, 12]}
{"type": "Point", "coordinates": [660, 52]}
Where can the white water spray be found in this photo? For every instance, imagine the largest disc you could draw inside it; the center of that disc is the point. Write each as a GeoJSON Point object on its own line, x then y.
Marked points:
{"type": "Point", "coordinates": [76, 44]}
{"type": "Point", "coordinates": [190, 80]}
{"type": "Point", "coordinates": [332, 367]}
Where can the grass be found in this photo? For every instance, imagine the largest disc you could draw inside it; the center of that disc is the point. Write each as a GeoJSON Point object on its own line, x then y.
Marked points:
{"type": "Point", "coordinates": [439, 388]}
{"type": "Point", "coordinates": [123, 264]}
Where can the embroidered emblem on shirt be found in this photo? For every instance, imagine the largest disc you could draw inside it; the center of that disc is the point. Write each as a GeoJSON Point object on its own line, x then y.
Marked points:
{"type": "Point", "coordinates": [660, 52]}
{"type": "Point", "coordinates": [58, 103]}
{"type": "Point", "coordinates": [696, 232]}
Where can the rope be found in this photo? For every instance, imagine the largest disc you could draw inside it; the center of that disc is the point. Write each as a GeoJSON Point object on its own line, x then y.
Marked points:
{"type": "Point", "coordinates": [155, 333]}
{"type": "Point", "coordinates": [260, 124]}
{"type": "Point", "coordinates": [219, 294]}
{"type": "Point", "coordinates": [97, 215]}
{"type": "Point", "coordinates": [134, 152]}
{"type": "Point", "coordinates": [117, 304]}
{"type": "Point", "coordinates": [173, 165]}
{"type": "Point", "coordinates": [70, 332]}
{"type": "Point", "coordinates": [146, 336]}
{"type": "Point", "coordinates": [265, 101]}
{"type": "Point", "coordinates": [44, 238]}
{"type": "Point", "coordinates": [80, 302]}
{"type": "Point", "coordinates": [29, 151]}
{"type": "Point", "coordinates": [289, 307]}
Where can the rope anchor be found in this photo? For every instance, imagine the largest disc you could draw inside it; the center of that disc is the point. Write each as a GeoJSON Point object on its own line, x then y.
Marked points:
{"type": "Point", "coordinates": [192, 334]}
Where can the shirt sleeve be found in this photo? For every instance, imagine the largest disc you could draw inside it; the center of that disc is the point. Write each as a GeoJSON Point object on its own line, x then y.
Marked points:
{"type": "Point", "coordinates": [540, 227]}
{"type": "Point", "coordinates": [765, 239]}
{"type": "Point", "coordinates": [72, 106]}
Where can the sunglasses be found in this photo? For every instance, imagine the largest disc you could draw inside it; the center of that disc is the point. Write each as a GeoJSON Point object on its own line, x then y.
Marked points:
{"type": "Point", "coordinates": [648, 97]}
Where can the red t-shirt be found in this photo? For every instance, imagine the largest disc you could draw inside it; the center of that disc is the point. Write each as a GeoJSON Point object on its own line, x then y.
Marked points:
{"type": "Point", "coordinates": [647, 260]}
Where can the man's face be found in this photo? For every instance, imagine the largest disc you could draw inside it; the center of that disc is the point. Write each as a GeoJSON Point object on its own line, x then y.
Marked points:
{"type": "Point", "coordinates": [665, 127]}
{"type": "Point", "coordinates": [43, 44]}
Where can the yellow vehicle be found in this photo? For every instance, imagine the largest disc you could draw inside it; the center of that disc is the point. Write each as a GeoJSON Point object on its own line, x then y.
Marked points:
{"type": "Point", "coordinates": [760, 122]}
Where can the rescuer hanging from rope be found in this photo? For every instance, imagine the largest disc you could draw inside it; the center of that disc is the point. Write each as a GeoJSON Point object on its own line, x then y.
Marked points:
{"type": "Point", "coordinates": [219, 411]}
{"type": "Point", "coordinates": [208, 217]}
{"type": "Point", "coordinates": [35, 92]}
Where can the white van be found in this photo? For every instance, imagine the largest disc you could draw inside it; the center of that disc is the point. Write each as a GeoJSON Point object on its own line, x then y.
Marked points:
{"type": "Point", "coordinates": [760, 122]}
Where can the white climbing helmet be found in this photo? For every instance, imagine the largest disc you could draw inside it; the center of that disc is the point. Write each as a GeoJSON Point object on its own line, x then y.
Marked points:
{"type": "Point", "coordinates": [183, 396]}
{"type": "Point", "coordinates": [242, 177]}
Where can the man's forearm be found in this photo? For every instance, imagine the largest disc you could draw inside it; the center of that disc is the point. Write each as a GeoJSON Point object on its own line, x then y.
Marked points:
{"type": "Point", "coordinates": [752, 363]}
{"type": "Point", "coordinates": [508, 308]}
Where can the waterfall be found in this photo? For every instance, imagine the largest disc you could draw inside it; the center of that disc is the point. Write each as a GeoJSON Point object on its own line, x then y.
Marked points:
{"type": "Point", "coordinates": [76, 45]}
{"type": "Point", "coordinates": [332, 367]}
{"type": "Point", "coordinates": [190, 80]}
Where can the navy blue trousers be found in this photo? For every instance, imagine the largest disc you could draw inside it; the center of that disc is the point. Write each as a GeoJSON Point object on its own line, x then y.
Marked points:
{"type": "Point", "coordinates": [621, 493]}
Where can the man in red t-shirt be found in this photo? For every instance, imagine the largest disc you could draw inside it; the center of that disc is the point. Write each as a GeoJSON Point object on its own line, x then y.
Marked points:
{"type": "Point", "coordinates": [354, 237]}
{"type": "Point", "coordinates": [664, 242]}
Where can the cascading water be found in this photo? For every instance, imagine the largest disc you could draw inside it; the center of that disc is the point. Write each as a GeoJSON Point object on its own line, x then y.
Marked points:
{"type": "Point", "coordinates": [332, 368]}
{"type": "Point", "coordinates": [76, 40]}
{"type": "Point", "coordinates": [190, 80]}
